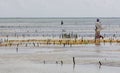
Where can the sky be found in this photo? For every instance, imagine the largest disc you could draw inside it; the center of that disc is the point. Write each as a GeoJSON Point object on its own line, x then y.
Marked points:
{"type": "Point", "coordinates": [59, 8]}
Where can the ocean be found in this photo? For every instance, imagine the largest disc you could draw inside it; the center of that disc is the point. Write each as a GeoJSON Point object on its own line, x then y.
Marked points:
{"type": "Point", "coordinates": [51, 27]}
{"type": "Point", "coordinates": [47, 58]}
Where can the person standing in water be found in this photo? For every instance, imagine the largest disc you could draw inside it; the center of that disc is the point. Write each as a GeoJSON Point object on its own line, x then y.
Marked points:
{"type": "Point", "coordinates": [61, 22]}
{"type": "Point", "coordinates": [98, 28]}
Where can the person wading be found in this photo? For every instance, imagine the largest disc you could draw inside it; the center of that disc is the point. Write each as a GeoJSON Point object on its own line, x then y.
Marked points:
{"type": "Point", "coordinates": [98, 28]}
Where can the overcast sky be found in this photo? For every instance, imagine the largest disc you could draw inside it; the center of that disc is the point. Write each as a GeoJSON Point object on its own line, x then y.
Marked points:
{"type": "Point", "coordinates": [59, 8]}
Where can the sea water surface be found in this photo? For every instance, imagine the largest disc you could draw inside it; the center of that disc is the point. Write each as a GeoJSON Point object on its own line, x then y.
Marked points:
{"type": "Point", "coordinates": [51, 27]}
{"type": "Point", "coordinates": [31, 59]}
{"type": "Point", "coordinates": [87, 57]}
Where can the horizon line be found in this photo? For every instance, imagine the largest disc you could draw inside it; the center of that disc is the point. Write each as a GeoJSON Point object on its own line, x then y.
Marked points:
{"type": "Point", "coordinates": [53, 17]}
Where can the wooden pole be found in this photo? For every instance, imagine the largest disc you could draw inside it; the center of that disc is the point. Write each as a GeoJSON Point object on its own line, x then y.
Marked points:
{"type": "Point", "coordinates": [17, 49]}
{"type": "Point", "coordinates": [73, 60]}
{"type": "Point", "coordinates": [56, 62]}
{"type": "Point", "coordinates": [61, 62]}
{"type": "Point", "coordinates": [100, 64]}
{"type": "Point", "coordinates": [44, 61]}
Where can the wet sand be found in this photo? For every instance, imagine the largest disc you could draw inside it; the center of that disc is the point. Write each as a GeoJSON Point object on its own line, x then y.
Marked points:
{"type": "Point", "coordinates": [43, 59]}
{"type": "Point", "coordinates": [53, 68]}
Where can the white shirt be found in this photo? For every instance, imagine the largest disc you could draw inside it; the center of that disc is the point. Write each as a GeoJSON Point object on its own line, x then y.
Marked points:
{"type": "Point", "coordinates": [98, 26]}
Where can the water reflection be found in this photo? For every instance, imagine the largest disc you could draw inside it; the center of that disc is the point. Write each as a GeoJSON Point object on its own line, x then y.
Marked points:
{"type": "Point", "coordinates": [73, 66]}
{"type": "Point", "coordinates": [98, 48]}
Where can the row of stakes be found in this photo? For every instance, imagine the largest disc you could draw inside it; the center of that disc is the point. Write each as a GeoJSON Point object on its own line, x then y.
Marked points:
{"type": "Point", "coordinates": [37, 44]}
{"type": "Point", "coordinates": [100, 64]}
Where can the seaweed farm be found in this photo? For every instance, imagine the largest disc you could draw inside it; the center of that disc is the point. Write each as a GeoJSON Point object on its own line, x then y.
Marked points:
{"type": "Point", "coordinates": [59, 45]}
{"type": "Point", "coordinates": [52, 29]}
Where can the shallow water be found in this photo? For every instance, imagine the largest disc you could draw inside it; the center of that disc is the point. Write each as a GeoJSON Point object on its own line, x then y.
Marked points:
{"type": "Point", "coordinates": [53, 68]}
{"type": "Point", "coordinates": [30, 59]}
{"type": "Point", "coordinates": [51, 27]}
